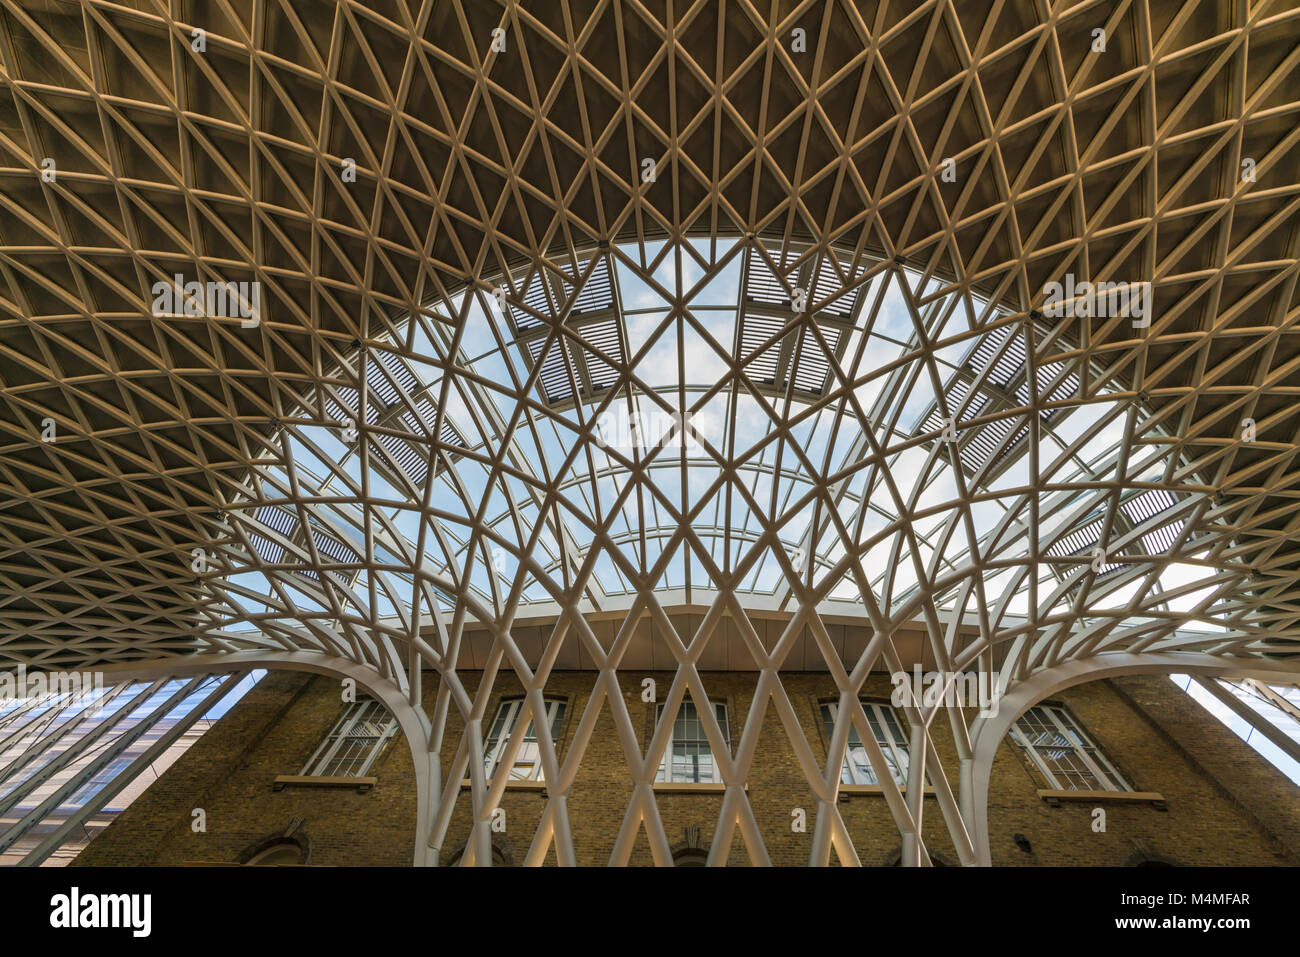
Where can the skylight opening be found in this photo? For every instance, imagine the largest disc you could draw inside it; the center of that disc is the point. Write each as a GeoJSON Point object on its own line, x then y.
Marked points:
{"type": "Point", "coordinates": [728, 412]}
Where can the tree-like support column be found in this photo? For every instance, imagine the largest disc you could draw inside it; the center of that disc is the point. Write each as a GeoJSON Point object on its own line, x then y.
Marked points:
{"type": "Point", "coordinates": [989, 730]}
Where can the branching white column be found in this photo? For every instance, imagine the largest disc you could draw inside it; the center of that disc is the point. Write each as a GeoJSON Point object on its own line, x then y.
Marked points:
{"type": "Point", "coordinates": [990, 730]}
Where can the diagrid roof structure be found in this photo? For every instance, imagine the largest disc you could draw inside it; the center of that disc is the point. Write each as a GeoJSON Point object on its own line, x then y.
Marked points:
{"type": "Point", "coordinates": [670, 315]}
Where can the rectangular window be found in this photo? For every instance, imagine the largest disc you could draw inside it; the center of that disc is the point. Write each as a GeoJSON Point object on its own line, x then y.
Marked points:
{"type": "Point", "coordinates": [889, 734]}
{"type": "Point", "coordinates": [688, 758]}
{"type": "Point", "coordinates": [528, 759]}
{"type": "Point", "coordinates": [355, 741]}
{"type": "Point", "coordinates": [1061, 755]}
{"type": "Point", "coordinates": [96, 784]}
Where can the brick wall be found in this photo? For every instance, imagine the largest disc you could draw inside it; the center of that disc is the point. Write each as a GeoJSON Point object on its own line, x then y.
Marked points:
{"type": "Point", "coordinates": [1224, 760]}
{"type": "Point", "coordinates": [1216, 811]}
{"type": "Point", "coordinates": [229, 773]}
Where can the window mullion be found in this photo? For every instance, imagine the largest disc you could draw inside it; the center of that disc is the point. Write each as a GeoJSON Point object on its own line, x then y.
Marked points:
{"type": "Point", "coordinates": [1032, 750]}
{"type": "Point", "coordinates": [330, 745]}
{"type": "Point", "coordinates": [1080, 749]}
{"type": "Point", "coordinates": [507, 727]}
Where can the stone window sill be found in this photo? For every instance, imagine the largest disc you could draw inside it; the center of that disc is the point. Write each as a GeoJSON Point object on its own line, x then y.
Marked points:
{"type": "Point", "coordinates": [1056, 798]}
{"type": "Point", "coordinates": [852, 790]}
{"type": "Point", "coordinates": [519, 785]}
{"type": "Point", "coordinates": [664, 787]}
{"type": "Point", "coordinates": [229, 864]}
{"type": "Point", "coordinates": [362, 785]}
{"type": "Point", "coordinates": [690, 787]}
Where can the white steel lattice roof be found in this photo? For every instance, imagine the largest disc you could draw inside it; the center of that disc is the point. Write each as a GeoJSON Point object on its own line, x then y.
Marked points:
{"type": "Point", "coordinates": [488, 238]}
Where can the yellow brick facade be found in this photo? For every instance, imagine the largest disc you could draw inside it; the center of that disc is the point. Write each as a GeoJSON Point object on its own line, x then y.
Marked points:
{"type": "Point", "coordinates": [1211, 781]}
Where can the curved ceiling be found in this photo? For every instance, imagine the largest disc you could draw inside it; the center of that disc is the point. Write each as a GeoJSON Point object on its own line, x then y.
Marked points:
{"type": "Point", "coordinates": [383, 170]}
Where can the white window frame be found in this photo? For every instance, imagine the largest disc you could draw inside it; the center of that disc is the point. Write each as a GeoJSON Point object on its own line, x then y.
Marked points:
{"type": "Point", "coordinates": [1079, 742]}
{"type": "Point", "coordinates": [345, 730]}
{"type": "Point", "coordinates": [528, 759]}
{"type": "Point", "coordinates": [890, 734]}
{"type": "Point", "coordinates": [666, 773]}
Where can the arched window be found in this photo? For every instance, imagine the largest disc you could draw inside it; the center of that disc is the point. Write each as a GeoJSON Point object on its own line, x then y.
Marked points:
{"type": "Point", "coordinates": [279, 854]}
{"type": "Point", "coordinates": [501, 856]}
{"type": "Point", "coordinates": [288, 848]}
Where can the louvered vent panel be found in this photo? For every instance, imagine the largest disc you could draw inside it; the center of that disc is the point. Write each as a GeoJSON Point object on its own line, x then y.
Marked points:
{"type": "Point", "coordinates": [828, 284]}
{"type": "Point", "coordinates": [813, 368]}
{"type": "Point", "coordinates": [535, 298]}
{"type": "Point", "coordinates": [754, 331]}
{"type": "Point", "coordinates": [555, 368]}
{"type": "Point", "coordinates": [604, 336]}
{"type": "Point", "coordinates": [279, 520]}
{"type": "Point", "coordinates": [597, 292]}
{"type": "Point", "coordinates": [761, 284]}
